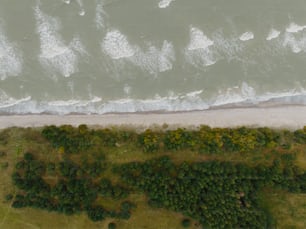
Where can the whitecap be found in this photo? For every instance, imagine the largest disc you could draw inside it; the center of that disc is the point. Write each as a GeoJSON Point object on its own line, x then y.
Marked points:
{"type": "Point", "coordinates": [10, 57]}
{"type": "Point", "coordinates": [164, 3]}
{"type": "Point", "coordinates": [194, 93]}
{"type": "Point", "coordinates": [235, 95]}
{"type": "Point", "coordinates": [55, 54]}
{"type": "Point", "coordinates": [116, 45]}
{"type": "Point", "coordinates": [7, 101]}
{"type": "Point", "coordinates": [273, 34]}
{"type": "Point", "coordinates": [198, 40]}
{"type": "Point", "coordinates": [82, 10]}
{"type": "Point", "coordinates": [100, 16]}
{"type": "Point", "coordinates": [198, 51]}
{"type": "Point", "coordinates": [296, 45]}
{"type": "Point", "coordinates": [173, 102]}
{"type": "Point", "coordinates": [155, 60]}
{"type": "Point", "coordinates": [295, 28]}
{"type": "Point", "coordinates": [127, 89]}
{"type": "Point", "coordinates": [246, 36]}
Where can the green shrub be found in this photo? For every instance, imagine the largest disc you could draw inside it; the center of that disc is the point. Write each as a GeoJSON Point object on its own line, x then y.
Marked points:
{"type": "Point", "coordinates": [149, 141]}
{"type": "Point", "coordinates": [112, 225]}
{"type": "Point", "coordinates": [186, 223]}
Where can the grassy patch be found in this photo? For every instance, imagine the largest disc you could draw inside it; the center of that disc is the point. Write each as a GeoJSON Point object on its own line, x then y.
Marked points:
{"type": "Point", "coordinates": [289, 210]}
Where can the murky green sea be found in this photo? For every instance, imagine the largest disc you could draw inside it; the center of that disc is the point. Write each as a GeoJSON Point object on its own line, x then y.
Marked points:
{"type": "Point", "coordinates": [99, 56]}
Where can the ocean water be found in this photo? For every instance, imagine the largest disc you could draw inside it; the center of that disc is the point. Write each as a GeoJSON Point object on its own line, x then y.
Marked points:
{"type": "Point", "coordinates": [101, 56]}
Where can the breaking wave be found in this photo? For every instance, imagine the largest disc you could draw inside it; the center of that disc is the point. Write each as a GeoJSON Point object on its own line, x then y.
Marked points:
{"type": "Point", "coordinates": [10, 58]}
{"type": "Point", "coordinates": [55, 54]}
{"type": "Point", "coordinates": [152, 60]}
{"type": "Point", "coordinates": [243, 95]}
{"type": "Point", "coordinates": [198, 51]}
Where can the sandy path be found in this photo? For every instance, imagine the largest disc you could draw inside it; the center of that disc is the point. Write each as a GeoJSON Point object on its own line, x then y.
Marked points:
{"type": "Point", "coordinates": [292, 117]}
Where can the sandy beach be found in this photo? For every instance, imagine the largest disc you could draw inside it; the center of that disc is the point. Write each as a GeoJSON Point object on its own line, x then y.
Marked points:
{"type": "Point", "coordinates": [291, 117]}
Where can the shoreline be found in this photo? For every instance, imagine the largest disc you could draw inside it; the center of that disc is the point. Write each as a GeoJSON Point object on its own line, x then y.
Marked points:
{"type": "Point", "coordinates": [289, 117]}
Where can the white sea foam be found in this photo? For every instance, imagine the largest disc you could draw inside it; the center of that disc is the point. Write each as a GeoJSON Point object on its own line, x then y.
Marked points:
{"type": "Point", "coordinates": [295, 28]}
{"type": "Point", "coordinates": [243, 94]}
{"type": "Point", "coordinates": [198, 40]}
{"type": "Point", "coordinates": [164, 3]}
{"type": "Point", "coordinates": [10, 57]}
{"type": "Point", "coordinates": [296, 45]}
{"type": "Point", "coordinates": [198, 50]}
{"type": "Point", "coordinates": [55, 54]}
{"type": "Point", "coordinates": [101, 15]}
{"type": "Point", "coordinates": [194, 93]}
{"type": "Point", "coordinates": [189, 101]}
{"type": "Point", "coordinates": [7, 101]}
{"type": "Point", "coordinates": [127, 89]}
{"type": "Point", "coordinates": [228, 48]}
{"type": "Point", "coordinates": [234, 95]}
{"type": "Point", "coordinates": [246, 36]}
{"type": "Point", "coordinates": [152, 60]}
{"type": "Point", "coordinates": [273, 34]}
{"type": "Point", "coordinates": [155, 60]}
{"type": "Point", "coordinates": [82, 10]}
{"type": "Point", "coordinates": [116, 45]}
{"type": "Point", "coordinates": [67, 1]}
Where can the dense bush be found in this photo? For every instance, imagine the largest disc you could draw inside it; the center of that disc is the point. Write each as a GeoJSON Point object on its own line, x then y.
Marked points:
{"type": "Point", "coordinates": [149, 141]}
{"type": "Point", "coordinates": [112, 226]}
{"type": "Point", "coordinates": [186, 223]}
{"type": "Point", "coordinates": [75, 190]}
{"type": "Point", "coordinates": [73, 140]}
{"type": "Point", "coordinates": [204, 140]}
{"type": "Point", "coordinates": [217, 194]}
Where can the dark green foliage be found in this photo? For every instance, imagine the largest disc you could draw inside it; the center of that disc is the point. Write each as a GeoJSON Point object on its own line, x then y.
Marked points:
{"type": "Point", "coordinates": [68, 169]}
{"type": "Point", "coordinates": [301, 181]}
{"type": "Point", "coordinates": [72, 139]}
{"type": "Point", "coordinates": [28, 156]}
{"type": "Point", "coordinates": [106, 189]}
{"type": "Point", "coordinates": [93, 169]}
{"type": "Point", "coordinates": [217, 194]}
{"type": "Point", "coordinates": [300, 135]}
{"type": "Point", "coordinates": [107, 136]}
{"type": "Point", "coordinates": [9, 197]}
{"type": "Point", "coordinates": [112, 225]}
{"type": "Point", "coordinates": [74, 192]}
{"type": "Point", "coordinates": [186, 223]}
{"type": "Point", "coordinates": [127, 206]}
{"type": "Point", "coordinates": [96, 213]}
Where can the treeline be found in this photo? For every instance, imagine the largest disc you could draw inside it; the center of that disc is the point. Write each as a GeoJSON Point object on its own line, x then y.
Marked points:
{"type": "Point", "coordinates": [75, 190]}
{"type": "Point", "coordinates": [217, 194]}
{"type": "Point", "coordinates": [203, 140]}
{"type": "Point", "coordinates": [81, 139]}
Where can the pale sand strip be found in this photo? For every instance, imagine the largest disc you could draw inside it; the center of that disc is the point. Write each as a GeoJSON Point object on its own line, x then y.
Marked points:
{"type": "Point", "coordinates": [292, 117]}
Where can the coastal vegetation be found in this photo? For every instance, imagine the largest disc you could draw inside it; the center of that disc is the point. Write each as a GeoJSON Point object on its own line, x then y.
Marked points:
{"type": "Point", "coordinates": [156, 178]}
